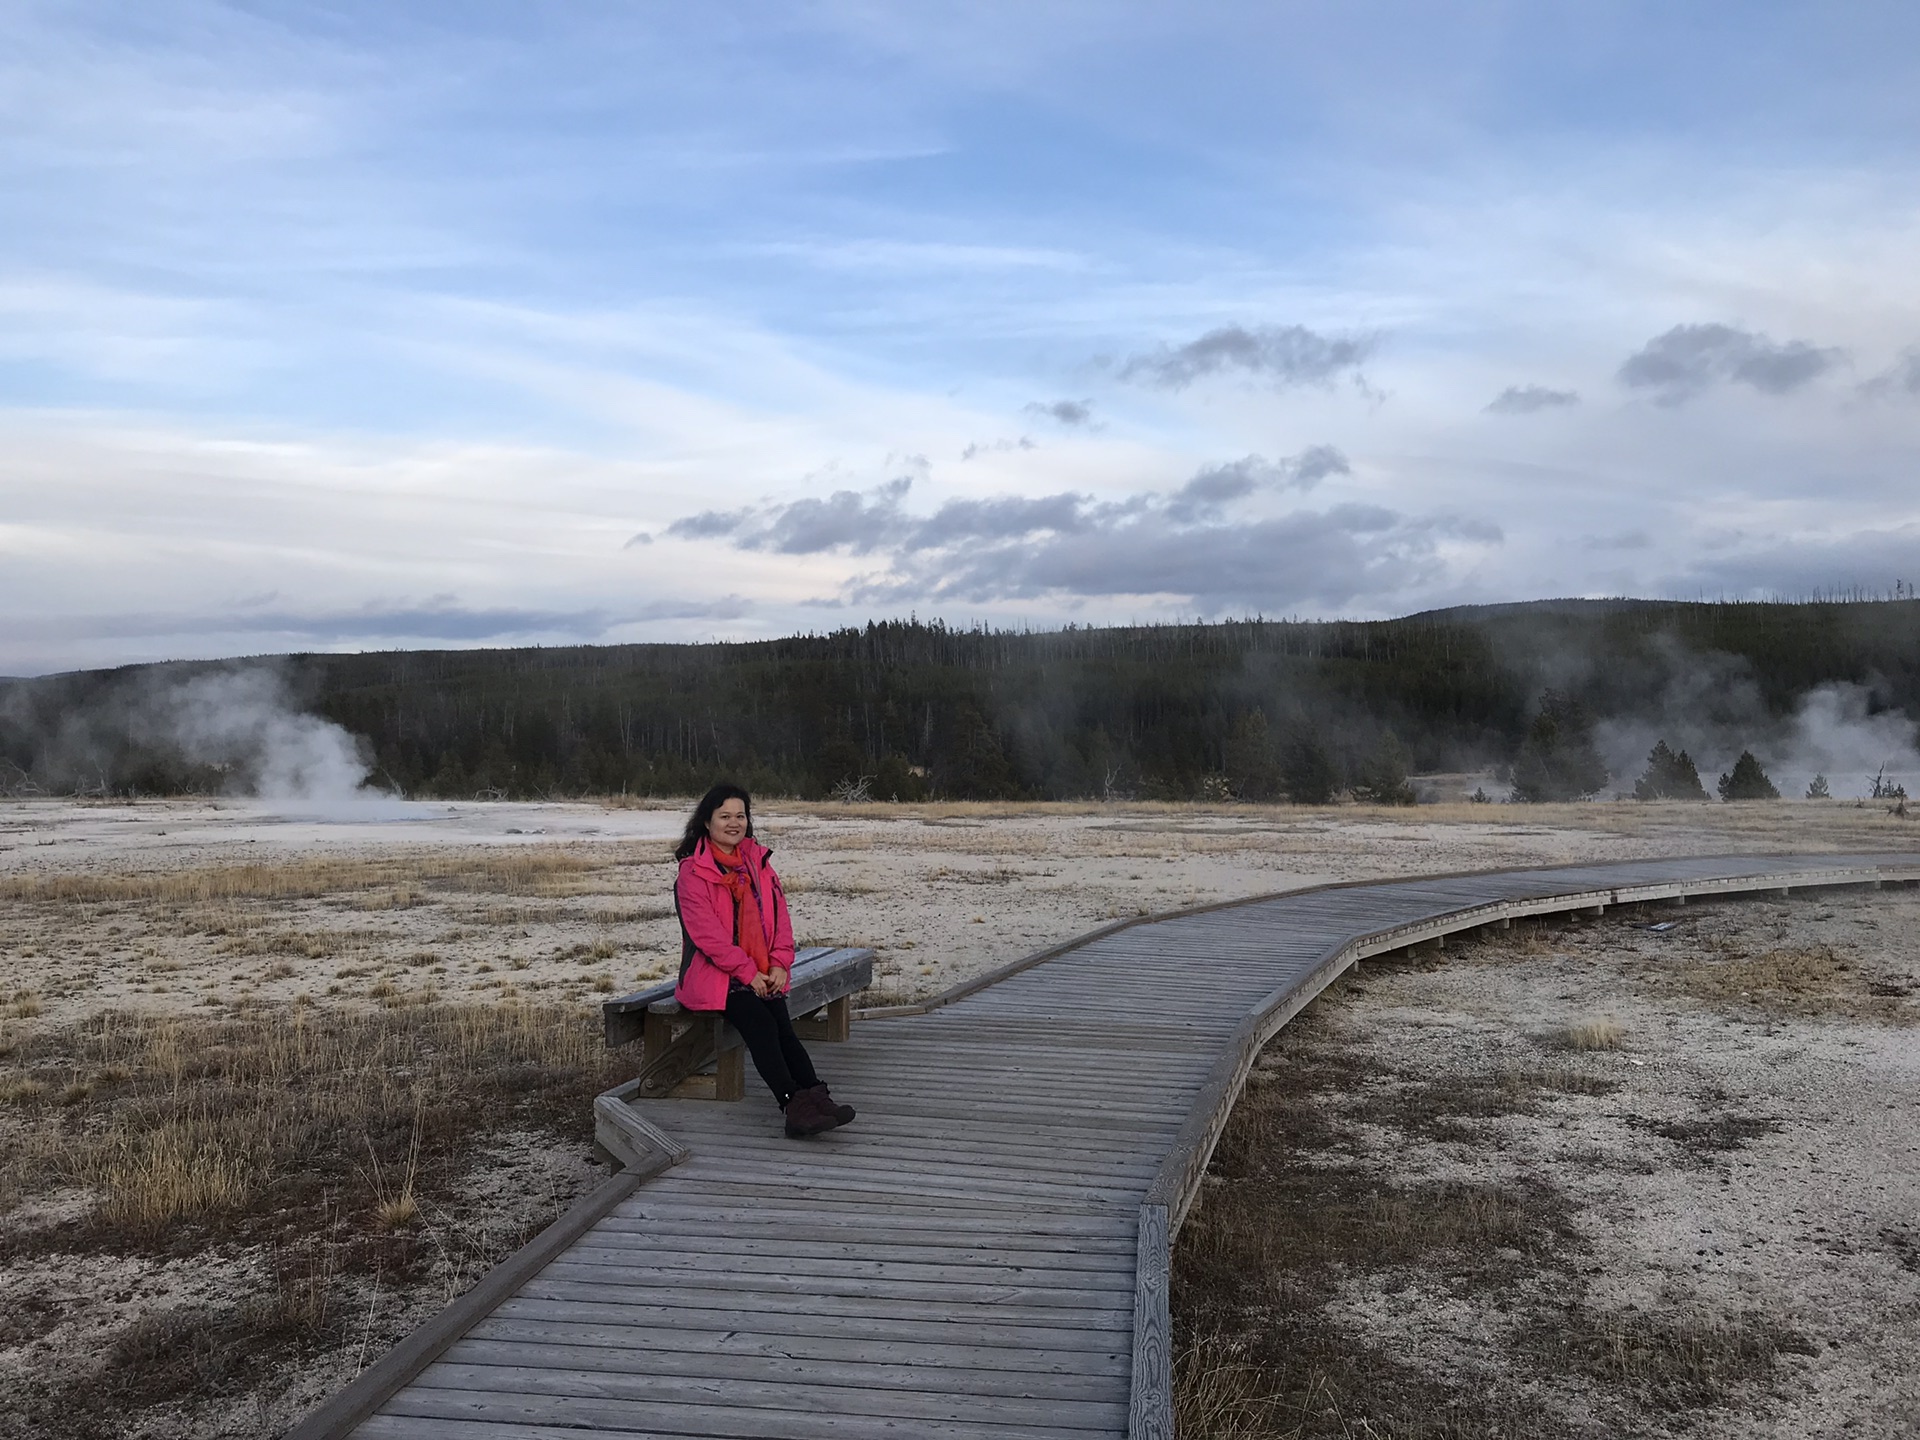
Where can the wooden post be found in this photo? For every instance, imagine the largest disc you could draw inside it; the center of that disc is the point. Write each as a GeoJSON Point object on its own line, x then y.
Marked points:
{"type": "Point", "coordinates": [1150, 1405]}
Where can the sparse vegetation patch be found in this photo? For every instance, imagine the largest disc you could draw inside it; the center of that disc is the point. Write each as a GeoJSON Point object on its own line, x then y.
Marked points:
{"type": "Point", "coordinates": [333, 1143]}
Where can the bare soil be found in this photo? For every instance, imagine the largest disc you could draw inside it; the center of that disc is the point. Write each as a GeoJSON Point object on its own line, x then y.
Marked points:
{"type": "Point", "coordinates": [273, 1087]}
{"type": "Point", "coordinates": [1586, 1179]}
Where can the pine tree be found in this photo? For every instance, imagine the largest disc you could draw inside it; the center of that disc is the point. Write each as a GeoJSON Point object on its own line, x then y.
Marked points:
{"type": "Point", "coordinates": [1669, 775]}
{"type": "Point", "coordinates": [1557, 760]}
{"type": "Point", "coordinates": [1383, 778]}
{"type": "Point", "coordinates": [1747, 782]}
{"type": "Point", "coordinates": [1309, 773]}
{"type": "Point", "coordinates": [1817, 790]}
{"type": "Point", "coordinates": [1250, 767]}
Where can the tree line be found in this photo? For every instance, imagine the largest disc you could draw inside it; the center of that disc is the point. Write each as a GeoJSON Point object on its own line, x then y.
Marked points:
{"type": "Point", "coordinates": [1256, 709]}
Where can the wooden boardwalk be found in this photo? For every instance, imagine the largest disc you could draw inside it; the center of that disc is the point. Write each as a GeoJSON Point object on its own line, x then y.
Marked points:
{"type": "Point", "coordinates": [984, 1253]}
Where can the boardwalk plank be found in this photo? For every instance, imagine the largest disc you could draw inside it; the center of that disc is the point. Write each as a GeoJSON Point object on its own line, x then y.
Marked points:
{"type": "Point", "coordinates": [1020, 1290]}
{"type": "Point", "coordinates": [1006, 1269]}
{"type": "Point", "coordinates": [517, 1325]}
{"type": "Point", "coordinates": [549, 1394]}
{"type": "Point", "coordinates": [792, 1243]}
{"type": "Point", "coordinates": [832, 1316]}
{"type": "Point", "coordinates": [948, 1370]}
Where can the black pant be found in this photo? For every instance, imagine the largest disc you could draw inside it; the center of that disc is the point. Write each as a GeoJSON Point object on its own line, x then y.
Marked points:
{"type": "Point", "coordinates": [777, 1053]}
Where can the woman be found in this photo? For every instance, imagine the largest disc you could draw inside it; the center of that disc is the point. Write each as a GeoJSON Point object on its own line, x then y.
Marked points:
{"type": "Point", "coordinates": [736, 952]}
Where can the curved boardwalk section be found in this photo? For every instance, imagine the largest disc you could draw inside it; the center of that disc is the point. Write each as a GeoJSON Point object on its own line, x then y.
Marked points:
{"type": "Point", "coordinates": [984, 1253]}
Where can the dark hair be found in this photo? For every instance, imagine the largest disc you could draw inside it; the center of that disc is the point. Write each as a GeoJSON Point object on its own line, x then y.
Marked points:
{"type": "Point", "coordinates": [703, 812]}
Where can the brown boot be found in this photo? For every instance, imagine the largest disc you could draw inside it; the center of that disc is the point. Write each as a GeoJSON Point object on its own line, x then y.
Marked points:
{"type": "Point", "coordinates": [807, 1114]}
{"type": "Point", "coordinates": [842, 1114]}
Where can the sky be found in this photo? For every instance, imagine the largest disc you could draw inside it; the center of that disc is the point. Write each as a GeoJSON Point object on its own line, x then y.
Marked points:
{"type": "Point", "coordinates": [359, 326]}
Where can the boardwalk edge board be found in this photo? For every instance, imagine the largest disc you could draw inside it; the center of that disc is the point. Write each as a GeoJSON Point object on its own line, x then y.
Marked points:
{"type": "Point", "coordinates": [645, 1151]}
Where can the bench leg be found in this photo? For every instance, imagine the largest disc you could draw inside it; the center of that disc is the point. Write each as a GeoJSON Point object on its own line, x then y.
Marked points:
{"type": "Point", "coordinates": [836, 1024]}
{"type": "Point", "coordinates": [730, 1074]}
{"type": "Point", "coordinates": [726, 1081]}
{"type": "Point", "coordinates": [668, 1059]}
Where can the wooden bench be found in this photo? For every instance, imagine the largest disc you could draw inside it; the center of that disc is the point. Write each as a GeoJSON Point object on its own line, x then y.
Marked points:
{"type": "Point", "coordinates": [691, 1054]}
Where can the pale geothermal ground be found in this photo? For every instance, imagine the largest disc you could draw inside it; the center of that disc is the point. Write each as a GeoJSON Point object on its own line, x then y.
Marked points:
{"type": "Point", "coordinates": [211, 1012]}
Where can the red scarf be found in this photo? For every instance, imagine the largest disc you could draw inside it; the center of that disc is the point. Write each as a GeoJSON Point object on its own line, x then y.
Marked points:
{"type": "Point", "coordinates": [750, 931]}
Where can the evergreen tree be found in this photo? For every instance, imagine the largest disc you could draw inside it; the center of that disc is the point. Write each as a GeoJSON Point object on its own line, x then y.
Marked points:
{"type": "Point", "coordinates": [1383, 777]}
{"type": "Point", "coordinates": [1309, 772]}
{"type": "Point", "coordinates": [1747, 782]}
{"type": "Point", "coordinates": [1251, 769]}
{"type": "Point", "coordinates": [1817, 789]}
{"type": "Point", "coordinates": [1557, 760]}
{"type": "Point", "coordinates": [1669, 775]}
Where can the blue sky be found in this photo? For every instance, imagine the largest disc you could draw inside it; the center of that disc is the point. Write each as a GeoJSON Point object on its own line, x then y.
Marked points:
{"type": "Point", "coordinates": [354, 325]}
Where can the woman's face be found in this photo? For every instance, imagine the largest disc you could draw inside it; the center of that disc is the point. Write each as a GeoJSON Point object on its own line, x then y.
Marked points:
{"type": "Point", "coordinates": [729, 824]}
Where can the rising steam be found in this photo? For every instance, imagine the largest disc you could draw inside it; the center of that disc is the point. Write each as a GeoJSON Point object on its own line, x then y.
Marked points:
{"type": "Point", "coordinates": [244, 724]}
{"type": "Point", "coordinates": [1713, 710]}
{"type": "Point", "coordinates": [230, 730]}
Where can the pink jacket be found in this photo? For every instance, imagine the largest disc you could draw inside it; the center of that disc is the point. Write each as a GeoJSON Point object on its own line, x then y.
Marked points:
{"type": "Point", "coordinates": [709, 957]}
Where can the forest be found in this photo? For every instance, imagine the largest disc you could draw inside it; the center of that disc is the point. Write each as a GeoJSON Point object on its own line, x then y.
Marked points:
{"type": "Point", "coordinates": [1253, 709]}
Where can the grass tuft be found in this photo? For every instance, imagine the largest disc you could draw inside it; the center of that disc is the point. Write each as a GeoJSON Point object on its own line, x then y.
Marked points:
{"type": "Point", "coordinates": [1604, 1034]}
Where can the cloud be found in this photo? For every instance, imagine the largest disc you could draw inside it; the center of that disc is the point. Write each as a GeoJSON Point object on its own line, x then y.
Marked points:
{"type": "Point", "coordinates": [1219, 485]}
{"type": "Point", "coordinates": [1306, 557]}
{"type": "Point", "coordinates": [1198, 541]}
{"type": "Point", "coordinates": [430, 620]}
{"type": "Point", "coordinates": [1064, 412]}
{"type": "Point", "coordinates": [1007, 517]}
{"type": "Point", "coordinates": [436, 619]}
{"type": "Point", "coordinates": [1285, 354]}
{"type": "Point", "coordinates": [1689, 359]}
{"type": "Point", "coordinates": [845, 520]}
{"type": "Point", "coordinates": [1526, 399]}
{"type": "Point", "coordinates": [1623, 540]}
{"type": "Point", "coordinates": [1864, 562]}
{"type": "Point", "coordinates": [1902, 378]}
{"type": "Point", "coordinates": [996, 447]}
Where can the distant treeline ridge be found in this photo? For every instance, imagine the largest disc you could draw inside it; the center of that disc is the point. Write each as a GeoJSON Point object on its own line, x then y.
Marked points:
{"type": "Point", "coordinates": [1258, 709]}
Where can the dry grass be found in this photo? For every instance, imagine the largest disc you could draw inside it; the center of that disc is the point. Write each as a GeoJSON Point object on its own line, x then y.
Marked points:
{"type": "Point", "coordinates": [21, 1005]}
{"type": "Point", "coordinates": [1222, 1394]}
{"type": "Point", "coordinates": [222, 1124]}
{"type": "Point", "coordinates": [1671, 1360]}
{"type": "Point", "coordinates": [1602, 1034]}
{"type": "Point", "coordinates": [539, 872]}
{"type": "Point", "coordinates": [1814, 981]}
{"type": "Point", "coordinates": [333, 1145]}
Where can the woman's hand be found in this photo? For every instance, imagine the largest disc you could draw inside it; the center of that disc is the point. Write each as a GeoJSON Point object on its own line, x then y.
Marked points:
{"type": "Point", "coordinates": [764, 987]}
{"type": "Point", "coordinates": [779, 978]}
